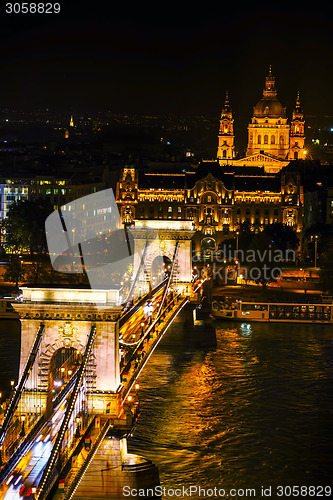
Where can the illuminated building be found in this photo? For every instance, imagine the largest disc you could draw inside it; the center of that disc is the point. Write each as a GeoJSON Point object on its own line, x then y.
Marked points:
{"type": "Point", "coordinates": [272, 141]}
{"type": "Point", "coordinates": [216, 202]}
{"type": "Point", "coordinates": [59, 191]}
{"type": "Point", "coordinates": [11, 191]}
{"type": "Point", "coordinates": [62, 191]}
{"type": "Point", "coordinates": [226, 148]}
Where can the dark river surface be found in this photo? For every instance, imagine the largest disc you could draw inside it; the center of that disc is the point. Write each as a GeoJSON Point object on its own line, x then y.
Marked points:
{"type": "Point", "coordinates": [255, 411]}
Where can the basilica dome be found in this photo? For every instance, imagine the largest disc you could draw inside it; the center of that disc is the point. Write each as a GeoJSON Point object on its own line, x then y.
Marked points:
{"type": "Point", "coordinates": [270, 107]}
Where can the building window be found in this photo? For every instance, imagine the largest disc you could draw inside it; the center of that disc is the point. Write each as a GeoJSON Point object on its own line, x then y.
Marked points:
{"type": "Point", "coordinates": [265, 139]}
{"type": "Point", "coordinates": [179, 209]}
{"type": "Point", "coordinates": [169, 209]}
{"type": "Point", "coordinates": [259, 139]}
{"type": "Point", "coordinates": [209, 199]}
{"type": "Point", "coordinates": [273, 139]}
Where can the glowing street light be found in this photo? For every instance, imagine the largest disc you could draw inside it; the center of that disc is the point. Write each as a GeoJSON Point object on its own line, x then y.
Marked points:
{"type": "Point", "coordinates": [316, 242]}
{"type": "Point", "coordinates": [78, 422]}
{"type": "Point", "coordinates": [22, 433]}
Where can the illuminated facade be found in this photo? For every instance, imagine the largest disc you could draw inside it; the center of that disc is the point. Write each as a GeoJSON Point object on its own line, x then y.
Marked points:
{"type": "Point", "coordinates": [59, 191]}
{"type": "Point", "coordinates": [272, 141]}
{"type": "Point", "coordinates": [226, 147]}
{"type": "Point", "coordinates": [11, 191]}
{"type": "Point", "coordinates": [217, 203]}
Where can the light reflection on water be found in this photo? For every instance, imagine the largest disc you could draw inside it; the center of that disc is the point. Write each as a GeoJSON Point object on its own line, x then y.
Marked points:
{"type": "Point", "coordinates": [256, 410]}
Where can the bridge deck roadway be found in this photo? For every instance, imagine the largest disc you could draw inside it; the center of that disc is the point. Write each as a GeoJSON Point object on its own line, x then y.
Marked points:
{"type": "Point", "coordinates": [102, 473]}
{"type": "Point", "coordinates": [151, 336]}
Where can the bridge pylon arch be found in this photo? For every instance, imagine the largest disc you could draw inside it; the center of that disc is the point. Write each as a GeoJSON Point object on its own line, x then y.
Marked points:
{"type": "Point", "coordinates": [68, 316]}
{"type": "Point", "coordinates": [162, 236]}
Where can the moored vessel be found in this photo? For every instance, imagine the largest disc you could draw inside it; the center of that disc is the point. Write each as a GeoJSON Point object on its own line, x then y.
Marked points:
{"type": "Point", "coordinates": [235, 309]}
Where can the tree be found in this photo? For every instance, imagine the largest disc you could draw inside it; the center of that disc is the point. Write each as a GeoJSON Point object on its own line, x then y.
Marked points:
{"type": "Point", "coordinates": [324, 233]}
{"type": "Point", "coordinates": [263, 260]}
{"type": "Point", "coordinates": [14, 271]}
{"type": "Point", "coordinates": [24, 228]}
{"type": "Point", "coordinates": [284, 237]}
{"type": "Point", "coordinates": [326, 269]}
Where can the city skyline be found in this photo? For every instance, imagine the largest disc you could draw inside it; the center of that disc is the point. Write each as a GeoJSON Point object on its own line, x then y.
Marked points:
{"type": "Point", "coordinates": [169, 61]}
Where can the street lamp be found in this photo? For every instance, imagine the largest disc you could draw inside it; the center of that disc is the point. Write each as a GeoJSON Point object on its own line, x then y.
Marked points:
{"type": "Point", "coordinates": [77, 432]}
{"type": "Point", "coordinates": [316, 242]}
{"type": "Point", "coordinates": [237, 235]}
{"type": "Point", "coordinates": [22, 433]}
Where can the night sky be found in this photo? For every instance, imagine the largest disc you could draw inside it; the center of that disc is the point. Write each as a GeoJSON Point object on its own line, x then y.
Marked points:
{"type": "Point", "coordinates": [164, 58]}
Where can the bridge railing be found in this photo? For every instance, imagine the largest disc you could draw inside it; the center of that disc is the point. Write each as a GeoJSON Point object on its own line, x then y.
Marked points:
{"type": "Point", "coordinates": [21, 385]}
{"type": "Point", "coordinates": [78, 476]}
{"type": "Point", "coordinates": [48, 476]}
{"type": "Point", "coordinates": [166, 316]}
{"type": "Point", "coordinates": [20, 449]}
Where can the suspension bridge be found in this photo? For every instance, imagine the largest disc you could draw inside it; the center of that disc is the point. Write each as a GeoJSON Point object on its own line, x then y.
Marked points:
{"type": "Point", "coordinates": [76, 399]}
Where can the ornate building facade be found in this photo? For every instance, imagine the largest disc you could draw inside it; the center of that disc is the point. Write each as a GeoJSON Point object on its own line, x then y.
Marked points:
{"type": "Point", "coordinates": [217, 203]}
{"type": "Point", "coordinates": [272, 141]}
{"type": "Point", "coordinates": [219, 196]}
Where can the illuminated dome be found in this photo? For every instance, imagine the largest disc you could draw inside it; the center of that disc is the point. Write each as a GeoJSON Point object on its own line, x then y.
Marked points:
{"type": "Point", "coordinates": [269, 106]}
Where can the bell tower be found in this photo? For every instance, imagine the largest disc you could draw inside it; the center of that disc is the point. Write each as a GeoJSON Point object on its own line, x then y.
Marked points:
{"type": "Point", "coordinates": [297, 137]}
{"type": "Point", "coordinates": [226, 148]}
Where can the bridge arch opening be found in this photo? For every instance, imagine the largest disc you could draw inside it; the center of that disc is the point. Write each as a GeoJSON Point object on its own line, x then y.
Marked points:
{"type": "Point", "coordinates": [208, 246]}
{"type": "Point", "coordinates": [63, 364]}
{"type": "Point", "coordinates": [160, 269]}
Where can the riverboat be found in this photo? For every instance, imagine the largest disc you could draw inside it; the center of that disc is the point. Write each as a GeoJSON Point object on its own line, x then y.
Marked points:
{"type": "Point", "coordinates": [287, 312]}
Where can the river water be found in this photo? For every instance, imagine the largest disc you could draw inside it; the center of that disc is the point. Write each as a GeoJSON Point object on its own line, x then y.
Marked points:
{"type": "Point", "coordinates": [255, 411]}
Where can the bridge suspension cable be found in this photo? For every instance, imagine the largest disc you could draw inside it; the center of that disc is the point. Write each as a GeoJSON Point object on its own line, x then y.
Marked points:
{"type": "Point", "coordinates": [138, 272]}
{"type": "Point", "coordinates": [49, 475]}
{"type": "Point", "coordinates": [20, 387]}
{"type": "Point", "coordinates": [29, 439]}
{"type": "Point", "coordinates": [175, 253]}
